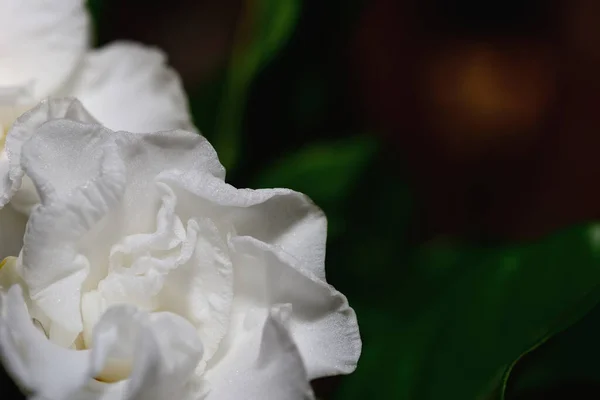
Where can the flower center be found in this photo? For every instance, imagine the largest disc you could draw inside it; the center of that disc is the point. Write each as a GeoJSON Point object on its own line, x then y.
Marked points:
{"type": "Point", "coordinates": [14, 101]}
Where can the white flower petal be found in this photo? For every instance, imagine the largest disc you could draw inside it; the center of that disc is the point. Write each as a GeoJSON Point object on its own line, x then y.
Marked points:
{"type": "Point", "coordinates": [146, 356]}
{"type": "Point", "coordinates": [201, 290]}
{"type": "Point", "coordinates": [264, 364]}
{"type": "Point", "coordinates": [147, 219]}
{"type": "Point", "coordinates": [157, 353]}
{"type": "Point", "coordinates": [10, 275]}
{"type": "Point", "coordinates": [130, 87]}
{"type": "Point", "coordinates": [322, 324]}
{"type": "Point", "coordinates": [149, 155]}
{"type": "Point", "coordinates": [138, 264]}
{"type": "Point", "coordinates": [84, 210]}
{"type": "Point", "coordinates": [31, 359]}
{"type": "Point", "coordinates": [135, 215]}
{"type": "Point", "coordinates": [25, 127]}
{"type": "Point", "coordinates": [280, 217]}
{"type": "Point", "coordinates": [41, 42]}
{"type": "Point", "coordinates": [186, 271]}
{"type": "Point", "coordinates": [86, 181]}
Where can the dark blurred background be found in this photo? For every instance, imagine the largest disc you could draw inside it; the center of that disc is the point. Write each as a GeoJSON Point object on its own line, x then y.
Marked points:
{"type": "Point", "coordinates": [444, 140]}
{"type": "Point", "coordinates": [488, 106]}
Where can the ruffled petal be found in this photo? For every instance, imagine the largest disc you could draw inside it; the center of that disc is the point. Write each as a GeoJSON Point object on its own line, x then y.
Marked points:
{"type": "Point", "coordinates": [130, 87]}
{"type": "Point", "coordinates": [281, 260]}
{"type": "Point", "coordinates": [25, 127]}
{"type": "Point", "coordinates": [263, 364]}
{"type": "Point", "coordinates": [135, 356]}
{"type": "Point", "coordinates": [31, 359]}
{"type": "Point", "coordinates": [85, 182]}
{"type": "Point", "coordinates": [157, 354]}
{"type": "Point", "coordinates": [147, 219]}
{"type": "Point", "coordinates": [280, 217]}
{"type": "Point", "coordinates": [201, 290]}
{"type": "Point", "coordinates": [89, 199]}
{"type": "Point", "coordinates": [182, 269]}
{"type": "Point", "coordinates": [41, 42]}
{"type": "Point", "coordinates": [322, 324]}
{"type": "Point", "coordinates": [149, 155]}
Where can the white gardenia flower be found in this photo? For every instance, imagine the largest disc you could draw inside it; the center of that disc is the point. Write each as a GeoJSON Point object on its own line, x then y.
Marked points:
{"type": "Point", "coordinates": [143, 275]}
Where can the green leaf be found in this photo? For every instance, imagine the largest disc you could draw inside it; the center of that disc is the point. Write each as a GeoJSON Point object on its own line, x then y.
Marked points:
{"type": "Point", "coordinates": [326, 172]}
{"type": "Point", "coordinates": [457, 322]}
{"type": "Point", "coordinates": [266, 26]}
{"type": "Point", "coordinates": [570, 357]}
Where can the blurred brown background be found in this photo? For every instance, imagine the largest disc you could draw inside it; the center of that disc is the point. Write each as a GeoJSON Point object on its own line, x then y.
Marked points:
{"type": "Point", "coordinates": [492, 104]}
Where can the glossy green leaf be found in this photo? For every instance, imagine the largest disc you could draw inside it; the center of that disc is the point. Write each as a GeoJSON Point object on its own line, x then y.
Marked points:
{"type": "Point", "coordinates": [266, 26]}
{"type": "Point", "coordinates": [327, 172]}
{"type": "Point", "coordinates": [570, 358]}
{"type": "Point", "coordinates": [457, 322]}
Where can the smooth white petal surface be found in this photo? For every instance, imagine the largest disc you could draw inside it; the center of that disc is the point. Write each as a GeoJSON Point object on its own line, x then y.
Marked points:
{"type": "Point", "coordinates": [11, 170]}
{"type": "Point", "coordinates": [263, 364]}
{"type": "Point", "coordinates": [10, 275]}
{"type": "Point", "coordinates": [322, 324]}
{"type": "Point", "coordinates": [130, 87]}
{"type": "Point", "coordinates": [41, 42]}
